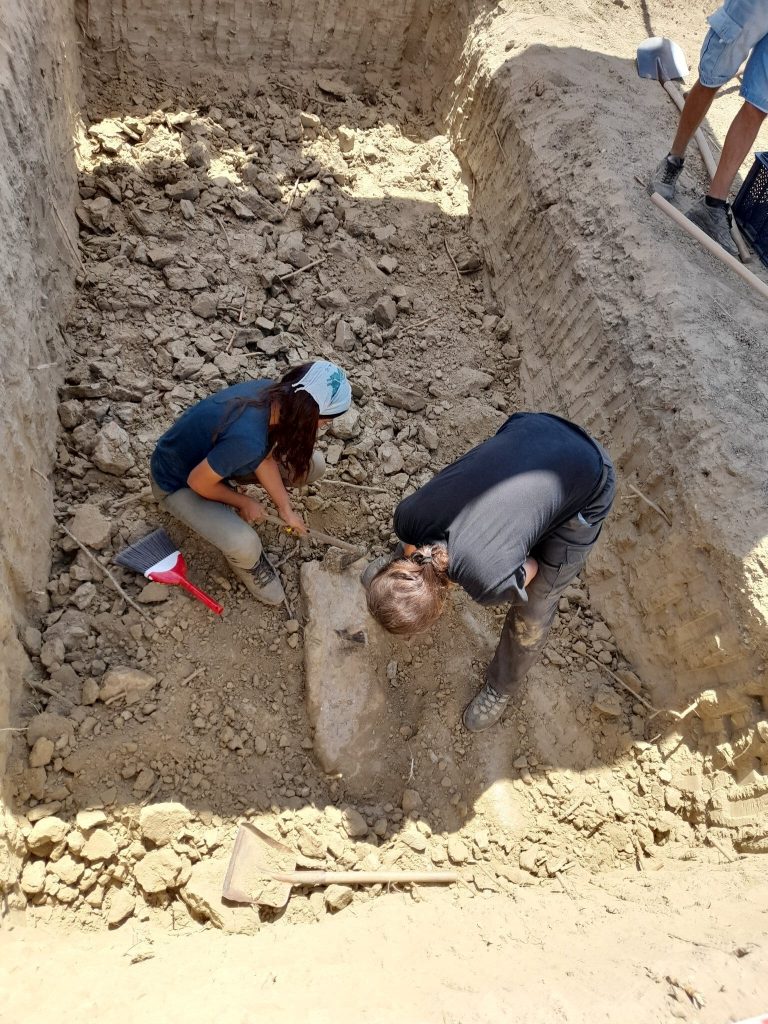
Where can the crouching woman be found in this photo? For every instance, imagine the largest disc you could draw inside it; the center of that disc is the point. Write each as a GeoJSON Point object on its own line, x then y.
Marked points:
{"type": "Point", "coordinates": [255, 432]}
{"type": "Point", "coordinates": [512, 521]}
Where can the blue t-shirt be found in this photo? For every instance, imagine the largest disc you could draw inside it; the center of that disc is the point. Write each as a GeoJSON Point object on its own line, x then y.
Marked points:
{"type": "Point", "coordinates": [240, 446]}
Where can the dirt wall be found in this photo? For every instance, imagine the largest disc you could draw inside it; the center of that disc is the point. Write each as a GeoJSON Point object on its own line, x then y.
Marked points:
{"type": "Point", "coordinates": [180, 39]}
{"type": "Point", "coordinates": [38, 74]}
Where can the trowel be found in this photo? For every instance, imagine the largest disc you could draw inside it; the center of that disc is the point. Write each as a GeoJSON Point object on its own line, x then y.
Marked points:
{"type": "Point", "coordinates": [261, 872]}
{"type": "Point", "coordinates": [663, 60]}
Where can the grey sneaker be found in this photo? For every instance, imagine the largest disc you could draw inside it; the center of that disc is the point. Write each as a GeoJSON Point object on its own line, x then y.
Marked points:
{"type": "Point", "coordinates": [485, 709]}
{"type": "Point", "coordinates": [714, 221]}
{"type": "Point", "coordinates": [664, 178]}
{"type": "Point", "coordinates": [262, 581]}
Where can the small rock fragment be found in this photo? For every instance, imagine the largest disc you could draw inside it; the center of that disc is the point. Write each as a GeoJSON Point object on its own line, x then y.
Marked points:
{"type": "Point", "coordinates": [99, 846]}
{"type": "Point", "coordinates": [337, 897]}
{"type": "Point", "coordinates": [458, 852]}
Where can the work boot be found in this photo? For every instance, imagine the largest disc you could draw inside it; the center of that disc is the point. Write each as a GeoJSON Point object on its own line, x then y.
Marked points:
{"type": "Point", "coordinates": [664, 178]}
{"type": "Point", "coordinates": [262, 581]}
{"type": "Point", "coordinates": [714, 221]}
{"type": "Point", "coordinates": [485, 709]}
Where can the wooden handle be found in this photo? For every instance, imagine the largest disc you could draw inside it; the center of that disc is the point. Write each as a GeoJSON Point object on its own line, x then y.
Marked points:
{"type": "Point", "coordinates": [321, 538]}
{"type": "Point", "coordinates": [710, 245]}
{"type": "Point", "coordinates": [363, 877]}
{"type": "Point", "coordinates": [709, 162]}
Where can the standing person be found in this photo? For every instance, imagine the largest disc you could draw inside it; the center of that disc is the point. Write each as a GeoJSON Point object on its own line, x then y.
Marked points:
{"type": "Point", "coordinates": [513, 520]}
{"type": "Point", "coordinates": [736, 28]}
{"type": "Point", "coordinates": [255, 432]}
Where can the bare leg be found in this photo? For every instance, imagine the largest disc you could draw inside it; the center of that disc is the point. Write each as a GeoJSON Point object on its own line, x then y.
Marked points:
{"type": "Point", "coordinates": [738, 142]}
{"type": "Point", "coordinates": [697, 103]}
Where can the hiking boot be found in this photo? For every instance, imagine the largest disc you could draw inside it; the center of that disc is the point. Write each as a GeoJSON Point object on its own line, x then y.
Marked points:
{"type": "Point", "coordinates": [485, 709]}
{"type": "Point", "coordinates": [664, 178]}
{"type": "Point", "coordinates": [714, 221]}
{"type": "Point", "coordinates": [262, 581]}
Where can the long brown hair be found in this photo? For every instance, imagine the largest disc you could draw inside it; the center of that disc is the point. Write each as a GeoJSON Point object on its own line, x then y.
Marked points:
{"type": "Point", "coordinates": [292, 439]}
{"type": "Point", "coordinates": [408, 595]}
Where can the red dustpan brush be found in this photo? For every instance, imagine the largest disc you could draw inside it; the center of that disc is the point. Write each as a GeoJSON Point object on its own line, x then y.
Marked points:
{"type": "Point", "coordinates": [158, 558]}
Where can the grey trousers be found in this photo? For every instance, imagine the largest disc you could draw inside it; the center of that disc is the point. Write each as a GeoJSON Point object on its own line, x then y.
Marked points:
{"type": "Point", "coordinates": [561, 555]}
{"type": "Point", "coordinates": [220, 524]}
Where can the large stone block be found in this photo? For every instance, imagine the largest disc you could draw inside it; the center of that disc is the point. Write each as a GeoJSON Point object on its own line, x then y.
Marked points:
{"type": "Point", "coordinates": [345, 656]}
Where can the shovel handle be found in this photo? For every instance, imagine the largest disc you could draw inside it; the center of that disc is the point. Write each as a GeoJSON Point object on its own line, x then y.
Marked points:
{"type": "Point", "coordinates": [710, 245]}
{"type": "Point", "coordinates": [363, 877]}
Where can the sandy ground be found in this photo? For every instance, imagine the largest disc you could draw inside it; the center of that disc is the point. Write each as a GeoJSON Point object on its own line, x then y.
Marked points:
{"type": "Point", "coordinates": [613, 949]}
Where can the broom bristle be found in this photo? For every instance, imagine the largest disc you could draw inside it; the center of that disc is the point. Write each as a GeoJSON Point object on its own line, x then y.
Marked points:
{"type": "Point", "coordinates": [147, 552]}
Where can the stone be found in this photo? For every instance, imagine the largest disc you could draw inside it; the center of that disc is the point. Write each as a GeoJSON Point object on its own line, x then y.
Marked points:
{"type": "Point", "coordinates": [70, 413]}
{"type": "Point", "coordinates": [112, 451]}
{"type": "Point", "coordinates": [622, 805]}
{"type": "Point", "coordinates": [354, 823]}
{"type": "Point", "coordinates": [202, 895]}
{"type": "Point", "coordinates": [458, 852]}
{"type": "Point", "coordinates": [181, 279]}
{"type": "Point", "coordinates": [204, 305]}
{"type": "Point", "coordinates": [32, 879]}
{"type": "Point", "coordinates": [390, 458]}
{"type": "Point", "coordinates": [52, 726]}
{"type": "Point", "coordinates": [403, 398]}
{"type": "Point", "coordinates": [411, 801]}
{"type": "Point", "coordinates": [41, 753]}
{"type": "Point", "coordinates": [385, 311]}
{"type": "Point", "coordinates": [67, 869]}
{"type": "Point", "coordinates": [600, 631]}
{"type": "Point", "coordinates": [121, 907]}
{"type": "Point", "coordinates": [344, 339]}
{"type": "Point", "coordinates": [345, 682]}
{"type": "Point", "coordinates": [529, 858]}
{"type": "Point", "coordinates": [346, 137]}
{"type": "Point", "coordinates": [311, 121]}
{"type": "Point", "coordinates": [100, 845]}
{"type": "Point", "coordinates": [335, 299]}
{"type": "Point", "coordinates": [414, 840]}
{"type": "Point", "coordinates": [161, 823]}
{"type": "Point", "coordinates": [260, 746]}
{"type": "Point", "coordinates": [183, 190]}
{"type": "Point", "coordinates": [154, 593]}
{"type": "Point", "coordinates": [160, 256]}
{"type": "Point", "coordinates": [336, 897]}
{"type": "Point", "coordinates": [607, 701]}
{"type": "Point", "coordinates": [187, 211]}
{"type": "Point", "coordinates": [88, 820]}
{"type": "Point", "coordinates": [346, 426]}
{"type": "Point", "coordinates": [388, 264]}
{"type": "Point", "coordinates": [429, 437]}
{"type": "Point", "coordinates": [197, 155]}
{"type": "Point", "coordinates": [159, 870]}
{"type": "Point", "coordinates": [122, 681]}
{"type": "Point", "coordinates": [89, 692]}
{"type": "Point", "coordinates": [45, 834]}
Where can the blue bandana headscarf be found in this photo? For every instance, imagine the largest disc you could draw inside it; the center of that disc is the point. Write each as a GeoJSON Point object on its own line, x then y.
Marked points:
{"type": "Point", "coordinates": [328, 385]}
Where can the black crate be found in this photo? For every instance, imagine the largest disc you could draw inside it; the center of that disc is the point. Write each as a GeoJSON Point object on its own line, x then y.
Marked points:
{"type": "Point", "coordinates": [751, 206]}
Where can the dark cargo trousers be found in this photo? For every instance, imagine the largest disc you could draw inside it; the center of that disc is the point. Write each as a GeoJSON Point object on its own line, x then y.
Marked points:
{"type": "Point", "coordinates": [561, 555]}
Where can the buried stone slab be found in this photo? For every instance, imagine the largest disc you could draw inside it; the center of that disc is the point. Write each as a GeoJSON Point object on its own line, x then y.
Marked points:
{"type": "Point", "coordinates": [345, 657]}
